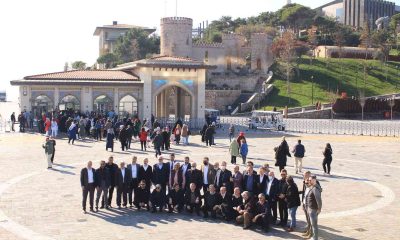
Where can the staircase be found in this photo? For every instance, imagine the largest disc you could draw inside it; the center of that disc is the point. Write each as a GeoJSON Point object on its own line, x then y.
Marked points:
{"type": "Point", "coordinates": [243, 97]}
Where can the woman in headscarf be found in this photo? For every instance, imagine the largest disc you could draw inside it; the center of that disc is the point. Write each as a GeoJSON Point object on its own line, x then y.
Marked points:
{"type": "Point", "coordinates": [110, 138]}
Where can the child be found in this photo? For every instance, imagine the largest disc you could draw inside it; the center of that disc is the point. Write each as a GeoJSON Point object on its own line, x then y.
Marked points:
{"type": "Point", "coordinates": [244, 150]}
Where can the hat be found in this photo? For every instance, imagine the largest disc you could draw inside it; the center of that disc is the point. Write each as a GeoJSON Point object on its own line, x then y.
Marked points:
{"type": "Point", "coordinates": [241, 134]}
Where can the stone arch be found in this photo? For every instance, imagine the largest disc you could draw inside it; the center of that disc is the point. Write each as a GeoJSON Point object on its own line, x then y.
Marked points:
{"type": "Point", "coordinates": [128, 105]}
{"type": "Point", "coordinates": [69, 101]}
{"type": "Point", "coordinates": [103, 103]}
{"type": "Point", "coordinates": [42, 104]}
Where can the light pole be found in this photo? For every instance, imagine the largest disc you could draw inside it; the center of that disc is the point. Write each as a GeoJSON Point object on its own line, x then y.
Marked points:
{"type": "Point", "coordinates": [391, 104]}
{"type": "Point", "coordinates": [312, 90]}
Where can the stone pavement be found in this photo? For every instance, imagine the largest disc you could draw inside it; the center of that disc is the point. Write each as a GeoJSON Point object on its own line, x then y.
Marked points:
{"type": "Point", "coordinates": [359, 199]}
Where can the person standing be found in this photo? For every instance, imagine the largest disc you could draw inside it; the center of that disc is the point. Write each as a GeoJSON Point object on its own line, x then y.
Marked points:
{"type": "Point", "coordinates": [143, 139]}
{"type": "Point", "coordinates": [110, 139]}
{"type": "Point", "coordinates": [244, 150]}
{"type": "Point", "coordinates": [281, 154]}
{"type": "Point", "coordinates": [304, 192]}
{"type": "Point", "coordinates": [298, 152]}
{"type": "Point", "coordinates": [293, 201]}
{"type": "Point", "coordinates": [209, 173]}
{"type": "Point", "coordinates": [224, 178]}
{"type": "Point", "coordinates": [54, 149]}
{"type": "Point", "coordinates": [178, 132]}
{"type": "Point", "coordinates": [283, 208]}
{"type": "Point", "coordinates": [262, 180]}
{"type": "Point", "coordinates": [209, 135]}
{"type": "Point", "coordinates": [103, 181]}
{"type": "Point", "coordinates": [47, 126]}
{"type": "Point", "coordinates": [231, 132]}
{"type": "Point", "coordinates": [271, 194]}
{"type": "Point", "coordinates": [194, 175]}
{"type": "Point", "coordinates": [12, 118]}
{"type": "Point", "coordinates": [326, 164]}
{"type": "Point", "coordinates": [88, 185]}
{"type": "Point", "coordinates": [166, 139]}
{"type": "Point", "coordinates": [48, 150]}
{"type": "Point", "coordinates": [185, 134]}
{"type": "Point", "coordinates": [314, 205]}
{"type": "Point", "coordinates": [123, 181]}
{"type": "Point", "coordinates": [112, 168]}
{"type": "Point", "coordinates": [158, 142]}
{"type": "Point", "coordinates": [123, 138]}
{"type": "Point", "coordinates": [134, 168]}
{"type": "Point", "coordinates": [250, 180]}
{"type": "Point", "coordinates": [161, 174]}
{"type": "Point", "coordinates": [234, 151]}
{"type": "Point", "coordinates": [54, 128]}
{"type": "Point", "coordinates": [237, 178]}
{"type": "Point", "coordinates": [146, 173]}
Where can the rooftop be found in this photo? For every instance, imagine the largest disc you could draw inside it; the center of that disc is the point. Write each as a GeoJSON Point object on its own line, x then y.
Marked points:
{"type": "Point", "coordinates": [165, 61]}
{"type": "Point", "coordinates": [85, 75]}
{"type": "Point", "coordinates": [117, 26]}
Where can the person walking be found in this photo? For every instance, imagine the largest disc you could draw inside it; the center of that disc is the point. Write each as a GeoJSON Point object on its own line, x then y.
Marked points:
{"type": "Point", "coordinates": [123, 138]}
{"type": "Point", "coordinates": [314, 205]}
{"type": "Point", "coordinates": [110, 139]}
{"type": "Point", "coordinates": [298, 151]}
{"type": "Point", "coordinates": [103, 181]}
{"type": "Point", "coordinates": [157, 142]}
{"type": "Point", "coordinates": [72, 130]}
{"type": "Point", "coordinates": [54, 148]}
{"type": "Point", "coordinates": [209, 135]}
{"type": "Point", "coordinates": [48, 150]}
{"type": "Point", "coordinates": [326, 164]}
{"type": "Point", "coordinates": [12, 118]}
{"type": "Point", "coordinates": [47, 126]}
{"type": "Point", "coordinates": [293, 201]}
{"type": "Point", "coordinates": [234, 151]}
{"type": "Point", "coordinates": [231, 132]}
{"type": "Point", "coordinates": [244, 150]}
{"type": "Point", "coordinates": [281, 154]}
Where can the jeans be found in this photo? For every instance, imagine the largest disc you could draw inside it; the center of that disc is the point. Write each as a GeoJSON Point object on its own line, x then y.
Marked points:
{"type": "Point", "coordinates": [292, 212]}
{"type": "Point", "coordinates": [314, 222]}
{"type": "Point", "coordinates": [308, 227]}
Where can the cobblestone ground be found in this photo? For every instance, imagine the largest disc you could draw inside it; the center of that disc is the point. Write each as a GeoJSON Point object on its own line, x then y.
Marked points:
{"type": "Point", "coordinates": [360, 198]}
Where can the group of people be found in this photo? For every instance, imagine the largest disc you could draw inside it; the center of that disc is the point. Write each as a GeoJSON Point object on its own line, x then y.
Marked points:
{"type": "Point", "coordinates": [248, 198]}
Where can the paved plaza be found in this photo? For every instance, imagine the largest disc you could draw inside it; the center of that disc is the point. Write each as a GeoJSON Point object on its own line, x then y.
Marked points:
{"type": "Point", "coordinates": [360, 199]}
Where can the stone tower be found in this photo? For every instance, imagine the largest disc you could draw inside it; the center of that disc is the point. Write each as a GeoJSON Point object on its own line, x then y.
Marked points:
{"type": "Point", "coordinates": [233, 44]}
{"type": "Point", "coordinates": [176, 36]}
{"type": "Point", "coordinates": [261, 56]}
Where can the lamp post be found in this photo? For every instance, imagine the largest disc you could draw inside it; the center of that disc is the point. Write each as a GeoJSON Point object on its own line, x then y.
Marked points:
{"type": "Point", "coordinates": [312, 90]}
{"type": "Point", "coordinates": [391, 104]}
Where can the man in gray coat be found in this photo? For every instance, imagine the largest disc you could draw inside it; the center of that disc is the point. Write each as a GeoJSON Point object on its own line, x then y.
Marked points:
{"type": "Point", "coordinates": [314, 205]}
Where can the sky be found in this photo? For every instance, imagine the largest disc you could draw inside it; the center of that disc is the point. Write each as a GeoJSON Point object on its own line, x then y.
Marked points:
{"type": "Point", "coordinates": [40, 36]}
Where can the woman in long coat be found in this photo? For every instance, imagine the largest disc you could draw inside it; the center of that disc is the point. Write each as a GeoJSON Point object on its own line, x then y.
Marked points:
{"type": "Point", "coordinates": [234, 151]}
{"type": "Point", "coordinates": [281, 154]}
{"type": "Point", "coordinates": [110, 139]}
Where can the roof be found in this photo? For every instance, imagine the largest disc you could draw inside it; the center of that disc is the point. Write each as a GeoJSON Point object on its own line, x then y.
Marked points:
{"type": "Point", "coordinates": [166, 61]}
{"type": "Point", "coordinates": [81, 77]}
{"type": "Point", "coordinates": [121, 27]}
{"type": "Point", "coordinates": [85, 75]}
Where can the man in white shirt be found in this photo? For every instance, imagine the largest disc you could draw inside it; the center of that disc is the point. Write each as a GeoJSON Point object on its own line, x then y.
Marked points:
{"type": "Point", "coordinates": [134, 184]}
{"type": "Point", "coordinates": [88, 185]}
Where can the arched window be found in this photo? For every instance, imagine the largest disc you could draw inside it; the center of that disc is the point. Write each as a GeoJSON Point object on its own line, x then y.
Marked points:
{"type": "Point", "coordinates": [128, 106]}
{"type": "Point", "coordinates": [42, 104]}
{"type": "Point", "coordinates": [103, 104]}
{"type": "Point", "coordinates": [69, 102]}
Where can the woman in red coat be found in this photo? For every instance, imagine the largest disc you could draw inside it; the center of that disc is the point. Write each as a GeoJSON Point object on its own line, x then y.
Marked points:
{"type": "Point", "coordinates": [143, 138]}
{"type": "Point", "coordinates": [47, 126]}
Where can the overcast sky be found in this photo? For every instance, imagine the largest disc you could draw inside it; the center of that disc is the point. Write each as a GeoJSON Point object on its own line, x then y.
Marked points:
{"type": "Point", "coordinates": [39, 36]}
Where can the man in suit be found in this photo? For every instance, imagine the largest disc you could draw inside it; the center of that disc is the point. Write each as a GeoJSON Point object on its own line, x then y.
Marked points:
{"type": "Point", "coordinates": [237, 179]}
{"type": "Point", "coordinates": [186, 166]}
{"type": "Point", "coordinates": [194, 175]}
{"type": "Point", "coordinates": [88, 184]}
{"type": "Point", "coordinates": [249, 164]}
{"type": "Point", "coordinates": [283, 208]}
{"type": "Point", "coordinates": [314, 205]}
{"type": "Point", "coordinates": [123, 181]}
{"type": "Point", "coordinates": [146, 173]}
{"type": "Point", "coordinates": [262, 180]}
{"type": "Point", "coordinates": [157, 199]}
{"type": "Point", "coordinates": [112, 168]}
{"type": "Point", "coordinates": [304, 192]}
{"type": "Point", "coordinates": [102, 184]}
{"type": "Point", "coordinates": [271, 193]}
{"type": "Point", "coordinates": [225, 203]}
{"type": "Point", "coordinates": [193, 200]}
{"type": "Point", "coordinates": [250, 180]}
{"type": "Point", "coordinates": [134, 168]}
{"type": "Point", "coordinates": [262, 212]}
{"type": "Point", "coordinates": [161, 174]}
{"type": "Point", "coordinates": [208, 174]}
{"type": "Point", "coordinates": [211, 200]}
{"type": "Point", "coordinates": [224, 178]}
{"type": "Point", "coordinates": [171, 165]}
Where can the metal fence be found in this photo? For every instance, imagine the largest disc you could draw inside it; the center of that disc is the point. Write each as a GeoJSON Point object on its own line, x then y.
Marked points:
{"type": "Point", "coordinates": [344, 127]}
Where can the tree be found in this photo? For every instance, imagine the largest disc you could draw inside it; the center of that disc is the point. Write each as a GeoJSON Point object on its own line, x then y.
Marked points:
{"type": "Point", "coordinates": [296, 16]}
{"type": "Point", "coordinates": [339, 38]}
{"type": "Point", "coordinates": [248, 30]}
{"type": "Point", "coordinates": [110, 60]}
{"type": "Point", "coordinates": [78, 65]}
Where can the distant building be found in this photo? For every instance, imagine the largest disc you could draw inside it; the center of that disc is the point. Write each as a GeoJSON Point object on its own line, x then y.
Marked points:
{"type": "Point", "coordinates": [355, 12]}
{"type": "Point", "coordinates": [108, 35]}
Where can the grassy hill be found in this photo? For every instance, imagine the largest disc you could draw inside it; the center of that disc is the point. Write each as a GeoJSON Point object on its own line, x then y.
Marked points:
{"type": "Point", "coordinates": [329, 79]}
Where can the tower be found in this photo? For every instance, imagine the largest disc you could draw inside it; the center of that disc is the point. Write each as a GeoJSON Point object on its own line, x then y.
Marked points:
{"type": "Point", "coordinates": [176, 36]}
{"type": "Point", "coordinates": [261, 56]}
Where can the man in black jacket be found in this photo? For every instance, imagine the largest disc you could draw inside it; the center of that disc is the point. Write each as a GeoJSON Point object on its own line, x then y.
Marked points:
{"type": "Point", "coordinates": [176, 198]}
{"type": "Point", "coordinates": [225, 203]}
{"type": "Point", "coordinates": [223, 178]}
{"type": "Point", "coordinates": [123, 181]}
{"type": "Point", "coordinates": [134, 168]}
{"type": "Point", "coordinates": [142, 196]}
{"type": "Point", "coordinates": [271, 194]}
{"type": "Point", "coordinates": [283, 208]}
{"type": "Point", "coordinates": [250, 181]}
{"type": "Point", "coordinates": [157, 199]}
{"type": "Point", "coordinates": [193, 200]}
{"type": "Point", "coordinates": [262, 212]}
{"type": "Point", "coordinates": [88, 183]}
{"type": "Point", "coordinates": [195, 176]}
{"type": "Point", "coordinates": [112, 168]}
{"type": "Point", "coordinates": [262, 180]}
{"type": "Point", "coordinates": [158, 142]}
{"type": "Point", "coordinates": [102, 184]}
{"type": "Point", "coordinates": [161, 174]}
{"type": "Point", "coordinates": [211, 200]}
{"type": "Point", "coordinates": [146, 173]}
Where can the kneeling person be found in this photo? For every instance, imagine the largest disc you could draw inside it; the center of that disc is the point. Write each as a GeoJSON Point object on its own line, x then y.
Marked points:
{"type": "Point", "coordinates": [157, 199]}
{"type": "Point", "coordinates": [176, 199]}
{"type": "Point", "coordinates": [211, 200]}
{"type": "Point", "coordinates": [142, 195]}
{"type": "Point", "coordinates": [192, 199]}
{"type": "Point", "coordinates": [262, 212]}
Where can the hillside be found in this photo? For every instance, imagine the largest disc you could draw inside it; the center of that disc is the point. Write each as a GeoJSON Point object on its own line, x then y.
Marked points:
{"type": "Point", "coordinates": [328, 78]}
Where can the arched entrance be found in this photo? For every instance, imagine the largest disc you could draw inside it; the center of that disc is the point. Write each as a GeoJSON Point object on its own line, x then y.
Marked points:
{"type": "Point", "coordinates": [70, 102]}
{"type": "Point", "coordinates": [128, 106]}
{"type": "Point", "coordinates": [173, 102]}
{"type": "Point", "coordinates": [102, 103]}
{"type": "Point", "coordinates": [42, 104]}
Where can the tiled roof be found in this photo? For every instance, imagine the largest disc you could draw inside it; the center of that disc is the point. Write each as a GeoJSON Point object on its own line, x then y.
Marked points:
{"type": "Point", "coordinates": [122, 27]}
{"type": "Point", "coordinates": [85, 75]}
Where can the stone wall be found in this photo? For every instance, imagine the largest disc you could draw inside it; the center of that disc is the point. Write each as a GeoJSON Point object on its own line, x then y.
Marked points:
{"type": "Point", "coordinates": [245, 83]}
{"type": "Point", "coordinates": [220, 99]}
